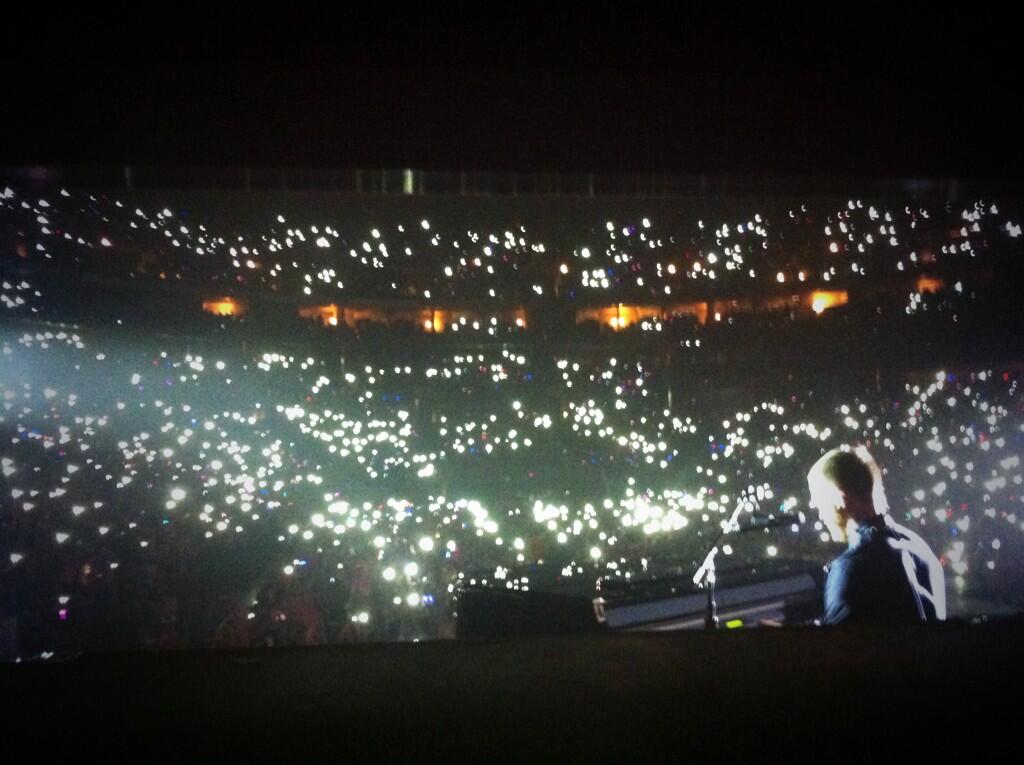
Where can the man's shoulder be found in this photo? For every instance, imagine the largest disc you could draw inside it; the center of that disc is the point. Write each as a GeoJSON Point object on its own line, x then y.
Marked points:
{"type": "Point", "coordinates": [844, 566]}
{"type": "Point", "coordinates": [901, 530]}
{"type": "Point", "coordinates": [913, 542]}
{"type": "Point", "coordinates": [863, 566]}
{"type": "Point", "coordinates": [851, 558]}
{"type": "Point", "coordinates": [843, 587]}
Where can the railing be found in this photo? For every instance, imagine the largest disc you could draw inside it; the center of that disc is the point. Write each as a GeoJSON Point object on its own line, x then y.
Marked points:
{"type": "Point", "coordinates": [418, 182]}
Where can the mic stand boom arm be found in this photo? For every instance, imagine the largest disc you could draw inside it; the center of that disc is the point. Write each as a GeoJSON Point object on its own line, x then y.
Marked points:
{"type": "Point", "coordinates": [705, 577]}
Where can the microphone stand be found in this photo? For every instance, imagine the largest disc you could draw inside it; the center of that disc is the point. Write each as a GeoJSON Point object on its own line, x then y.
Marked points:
{"type": "Point", "coordinates": [706, 577]}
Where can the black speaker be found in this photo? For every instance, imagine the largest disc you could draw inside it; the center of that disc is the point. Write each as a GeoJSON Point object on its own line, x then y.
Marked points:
{"type": "Point", "coordinates": [488, 613]}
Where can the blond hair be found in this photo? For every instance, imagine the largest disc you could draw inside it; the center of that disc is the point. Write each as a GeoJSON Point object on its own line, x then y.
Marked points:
{"type": "Point", "coordinates": [851, 471]}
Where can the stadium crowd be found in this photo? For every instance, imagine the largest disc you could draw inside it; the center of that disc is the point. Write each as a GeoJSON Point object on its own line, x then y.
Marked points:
{"type": "Point", "coordinates": [238, 485]}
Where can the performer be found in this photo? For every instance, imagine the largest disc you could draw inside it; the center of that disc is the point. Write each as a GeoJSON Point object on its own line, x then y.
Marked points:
{"type": "Point", "coordinates": [887, 573]}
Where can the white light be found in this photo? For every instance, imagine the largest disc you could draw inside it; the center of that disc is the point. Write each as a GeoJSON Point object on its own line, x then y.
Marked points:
{"type": "Point", "coordinates": [411, 569]}
{"type": "Point", "coordinates": [413, 599]}
{"type": "Point", "coordinates": [426, 544]}
{"type": "Point", "coordinates": [388, 574]}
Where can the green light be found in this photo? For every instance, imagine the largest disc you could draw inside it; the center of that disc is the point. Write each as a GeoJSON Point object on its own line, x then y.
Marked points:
{"type": "Point", "coordinates": [733, 624]}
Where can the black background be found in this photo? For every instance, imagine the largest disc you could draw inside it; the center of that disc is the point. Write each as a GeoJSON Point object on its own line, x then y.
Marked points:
{"type": "Point", "coordinates": [852, 90]}
{"type": "Point", "coordinates": [847, 90]}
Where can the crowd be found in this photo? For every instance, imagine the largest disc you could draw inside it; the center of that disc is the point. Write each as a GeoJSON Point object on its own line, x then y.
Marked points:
{"type": "Point", "coordinates": [161, 497]}
{"type": "Point", "coordinates": [320, 252]}
{"type": "Point", "coordinates": [217, 490]}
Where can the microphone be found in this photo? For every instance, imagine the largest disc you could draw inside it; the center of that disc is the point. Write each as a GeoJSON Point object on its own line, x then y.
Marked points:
{"type": "Point", "coordinates": [773, 521]}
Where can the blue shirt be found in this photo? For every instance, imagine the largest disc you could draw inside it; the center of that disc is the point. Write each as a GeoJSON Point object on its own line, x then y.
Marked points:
{"type": "Point", "coordinates": [887, 575]}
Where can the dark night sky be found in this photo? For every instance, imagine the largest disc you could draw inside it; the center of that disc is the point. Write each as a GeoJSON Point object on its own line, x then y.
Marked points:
{"type": "Point", "coordinates": [850, 91]}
